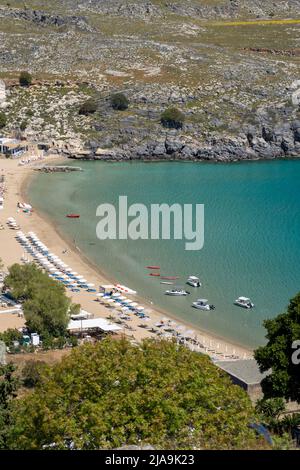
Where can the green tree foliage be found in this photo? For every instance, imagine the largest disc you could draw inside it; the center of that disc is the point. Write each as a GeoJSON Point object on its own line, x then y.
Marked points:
{"type": "Point", "coordinates": [25, 79]}
{"type": "Point", "coordinates": [278, 354]}
{"type": "Point", "coordinates": [271, 407]}
{"type": "Point", "coordinates": [3, 120]}
{"type": "Point", "coordinates": [119, 101]}
{"type": "Point", "coordinates": [112, 393]}
{"type": "Point", "coordinates": [88, 107]}
{"type": "Point", "coordinates": [32, 373]}
{"type": "Point", "coordinates": [8, 388]}
{"type": "Point", "coordinates": [11, 335]}
{"type": "Point", "coordinates": [172, 118]}
{"type": "Point", "coordinates": [45, 304]}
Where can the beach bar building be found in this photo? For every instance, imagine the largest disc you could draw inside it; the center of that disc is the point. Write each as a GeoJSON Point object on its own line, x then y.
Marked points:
{"type": "Point", "coordinates": [93, 325]}
{"type": "Point", "coordinates": [246, 374]}
{"type": "Point", "coordinates": [13, 148]}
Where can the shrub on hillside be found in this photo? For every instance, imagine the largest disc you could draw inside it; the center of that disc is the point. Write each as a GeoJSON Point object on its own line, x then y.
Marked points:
{"type": "Point", "coordinates": [88, 107]}
{"type": "Point", "coordinates": [23, 126]}
{"type": "Point", "coordinates": [119, 102]}
{"type": "Point", "coordinates": [172, 118]}
{"type": "Point", "coordinates": [3, 120]}
{"type": "Point", "coordinates": [25, 79]}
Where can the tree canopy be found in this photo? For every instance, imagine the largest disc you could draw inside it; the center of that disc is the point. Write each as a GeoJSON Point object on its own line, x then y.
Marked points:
{"type": "Point", "coordinates": [8, 389]}
{"type": "Point", "coordinates": [172, 118]}
{"type": "Point", "coordinates": [113, 393]}
{"type": "Point", "coordinates": [280, 355]}
{"type": "Point", "coordinates": [45, 304]}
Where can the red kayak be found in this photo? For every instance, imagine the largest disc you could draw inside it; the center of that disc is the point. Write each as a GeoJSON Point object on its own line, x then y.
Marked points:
{"type": "Point", "coordinates": [153, 267]}
{"type": "Point", "coordinates": [73, 216]}
{"type": "Point", "coordinates": [154, 274]}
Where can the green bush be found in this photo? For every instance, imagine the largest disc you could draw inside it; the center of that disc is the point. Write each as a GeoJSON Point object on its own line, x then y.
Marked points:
{"type": "Point", "coordinates": [31, 373]}
{"type": "Point", "coordinates": [3, 120]}
{"type": "Point", "coordinates": [25, 79]}
{"type": "Point", "coordinates": [88, 107]}
{"type": "Point", "coordinates": [23, 126]}
{"type": "Point", "coordinates": [119, 102]}
{"type": "Point", "coordinates": [11, 335]}
{"type": "Point", "coordinates": [172, 118]}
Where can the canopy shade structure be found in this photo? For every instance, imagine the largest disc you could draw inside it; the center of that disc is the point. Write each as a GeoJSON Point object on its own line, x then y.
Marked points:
{"type": "Point", "coordinates": [92, 324]}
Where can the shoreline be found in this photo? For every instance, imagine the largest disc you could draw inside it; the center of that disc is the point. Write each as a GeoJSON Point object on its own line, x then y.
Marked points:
{"type": "Point", "coordinates": [57, 241]}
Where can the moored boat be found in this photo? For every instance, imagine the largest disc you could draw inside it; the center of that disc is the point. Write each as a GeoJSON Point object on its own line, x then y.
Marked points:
{"type": "Point", "coordinates": [73, 216]}
{"type": "Point", "coordinates": [177, 292]}
{"type": "Point", "coordinates": [202, 304]}
{"type": "Point", "coordinates": [154, 274]}
{"type": "Point", "coordinates": [153, 267]}
{"type": "Point", "coordinates": [244, 302]}
{"type": "Point", "coordinates": [193, 281]}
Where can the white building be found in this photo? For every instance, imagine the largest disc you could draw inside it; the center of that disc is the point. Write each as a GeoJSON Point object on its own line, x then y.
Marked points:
{"type": "Point", "coordinates": [12, 147]}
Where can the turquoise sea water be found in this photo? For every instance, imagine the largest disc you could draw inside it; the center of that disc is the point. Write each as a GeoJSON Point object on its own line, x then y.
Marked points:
{"type": "Point", "coordinates": [252, 234]}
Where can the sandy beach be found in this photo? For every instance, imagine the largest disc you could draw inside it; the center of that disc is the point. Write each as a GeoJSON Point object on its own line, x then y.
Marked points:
{"type": "Point", "coordinates": [17, 179]}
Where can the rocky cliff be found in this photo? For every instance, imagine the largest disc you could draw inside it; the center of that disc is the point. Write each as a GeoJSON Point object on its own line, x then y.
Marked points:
{"type": "Point", "coordinates": [232, 67]}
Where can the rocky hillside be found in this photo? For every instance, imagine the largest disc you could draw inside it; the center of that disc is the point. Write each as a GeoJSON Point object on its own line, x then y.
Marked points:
{"type": "Point", "coordinates": [232, 67]}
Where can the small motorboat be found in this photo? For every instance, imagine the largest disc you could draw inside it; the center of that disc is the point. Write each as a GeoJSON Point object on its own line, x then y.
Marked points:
{"type": "Point", "coordinates": [202, 304]}
{"type": "Point", "coordinates": [154, 274]}
{"type": "Point", "coordinates": [153, 267]}
{"type": "Point", "coordinates": [73, 216]}
{"type": "Point", "coordinates": [193, 281]}
{"type": "Point", "coordinates": [177, 292]}
{"type": "Point", "coordinates": [244, 302]}
{"type": "Point", "coordinates": [167, 282]}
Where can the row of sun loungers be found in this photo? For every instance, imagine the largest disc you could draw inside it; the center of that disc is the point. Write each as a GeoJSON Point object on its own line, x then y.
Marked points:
{"type": "Point", "coordinates": [33, 158]}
